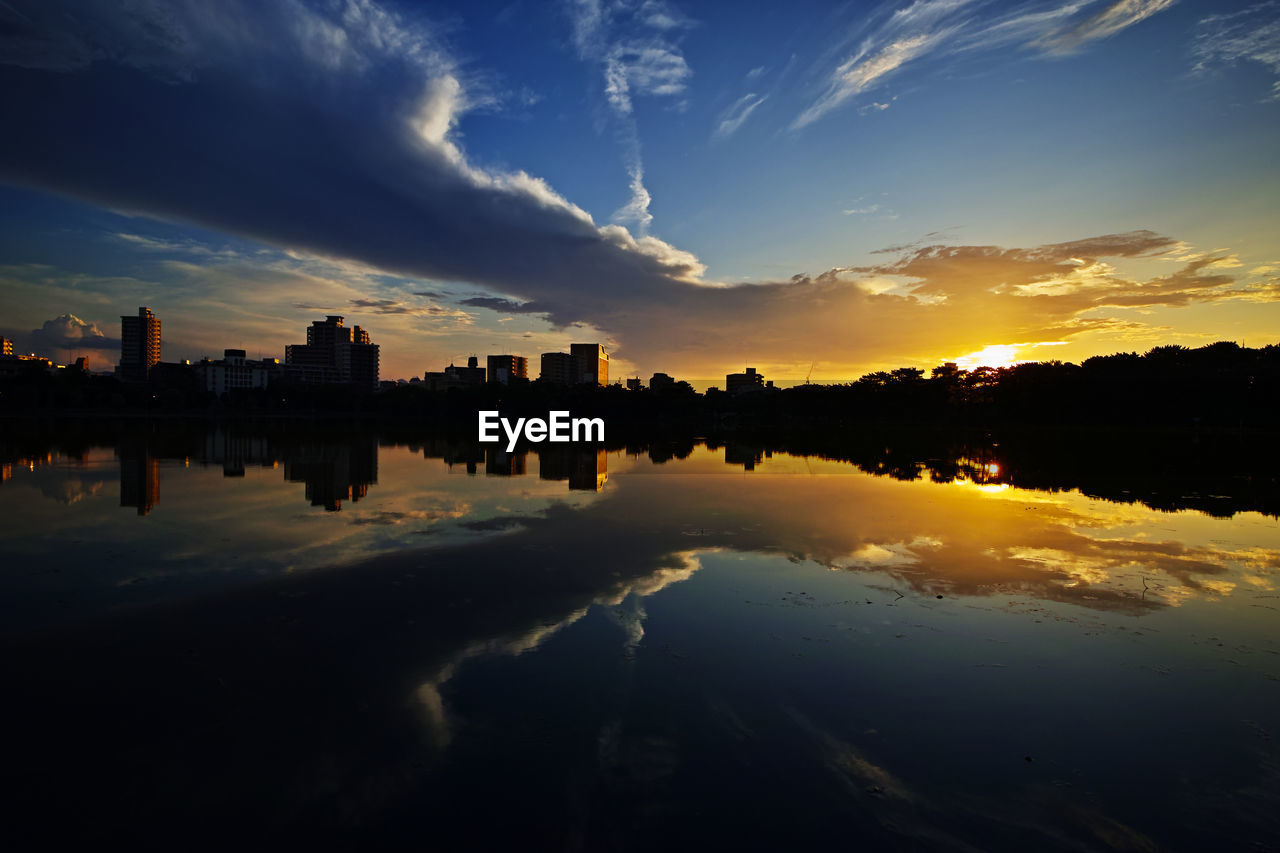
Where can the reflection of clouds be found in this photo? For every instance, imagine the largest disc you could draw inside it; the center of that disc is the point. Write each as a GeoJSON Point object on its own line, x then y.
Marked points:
{"type": "Point", "coordinates": [71, 490]}
{"type": "Point", "coordinates": [964, 538]}
{"type": "Point", "coordinates": [624, 598]}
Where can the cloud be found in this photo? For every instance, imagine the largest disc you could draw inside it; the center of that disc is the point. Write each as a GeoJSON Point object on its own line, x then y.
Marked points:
{"type": "Point", "coordinates": [632, 44]}
{"type": "Point", "coordinates": [1250, 35]}
{"type": "Point", "coordinates": [732, 118]}
{"type": "Point", "coordinates": [858, 73]}
{"type": "Point", "coordinates": [1105, 23]}
{"type": "Point", "coordinates": [69, 332]}
{"type": "Point", "coordinates": [349, 159]}
{"type": "Point", "coordinates": [213, 133]}
{"type": "Point", "coordinates": [946, 28]}
{"type": "Point", "coordinates": [393, 306]}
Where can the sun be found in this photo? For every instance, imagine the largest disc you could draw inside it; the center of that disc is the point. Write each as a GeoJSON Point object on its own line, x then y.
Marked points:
{"type": "Point", "coordinates": [995, 355]}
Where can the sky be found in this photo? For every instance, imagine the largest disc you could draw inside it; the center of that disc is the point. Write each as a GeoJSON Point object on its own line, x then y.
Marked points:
{"type": "Point", "coordinates": [813, 189]}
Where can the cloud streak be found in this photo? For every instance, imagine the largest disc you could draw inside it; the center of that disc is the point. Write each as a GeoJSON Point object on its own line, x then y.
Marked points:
{"type": "Point", "coordinates": [732, 118]}
{"type": "Point", "coordinates": [940, 28]}
{"type": "Point", "coordinates": [1250, 35]}
{"type": "Point", "coordinates": [632, 44]}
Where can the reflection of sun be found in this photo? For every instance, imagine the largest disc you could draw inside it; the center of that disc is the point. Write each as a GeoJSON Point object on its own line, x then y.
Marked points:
{"type": "Point", "coordinates": [995, 355]}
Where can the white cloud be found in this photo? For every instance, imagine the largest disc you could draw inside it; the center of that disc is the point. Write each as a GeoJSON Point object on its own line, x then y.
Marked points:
{"type": "Point", "coordinates": [1118, 16]}
{"type": "Point", "coordinates": [1251, 35]}
{"type": "Point", "coordinates": [858, 73]}
{"type": "Point", "coordinates": [937, 28]}
{"type": "Point", "coordinates": [633, 44]}
{"type": "Point", "coordinates": [732, 118]}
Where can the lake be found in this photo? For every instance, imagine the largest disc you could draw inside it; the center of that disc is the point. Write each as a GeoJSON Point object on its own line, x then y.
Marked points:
{"type": "Point", "coordinates": [297, 633]}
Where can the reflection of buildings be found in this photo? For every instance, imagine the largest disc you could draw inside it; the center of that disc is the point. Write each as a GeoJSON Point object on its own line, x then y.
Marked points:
{"type": "Point", "coordinates": [586, 468]}
{"type": "Point", "coordinates": [502, 464]}
{"type": "Point", "coordinates": [235, 450]}
{"type": "Point", "coordinates": [333, 472]}
{"type": "Point", "coordinates": [747, 456]}
{"type": "Point", "coordinates": [452, 453]}
{"type": "Point", "coordinates": [139, 346]}
{"type": "Point", "coordinates": [139, 480]}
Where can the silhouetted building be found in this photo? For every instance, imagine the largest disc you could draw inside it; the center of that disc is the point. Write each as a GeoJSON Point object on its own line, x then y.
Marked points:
{"type": "Point", "coordinates": [659, 381]}
{"type": "Point", "coordinates": [334, 353]}
{"type": "Point", "coordinates": [233, 371]}
{"type": "Point", "coordinates": [504, 368]}
{"type": "Point", "coordinates": [559, 368]}
{"type": "Point", "coordinates": [455, 377]}
{"type": "Point", "coordinates": [593, 363]}
{"type": "Point", "coordinates": [139, 346]}
{"type": "Point", "coordinates": [635, 384]}
{"type": "Point", "coordinates": [583, 364]}
{"type": "Point", "coordinates": [738, 383]}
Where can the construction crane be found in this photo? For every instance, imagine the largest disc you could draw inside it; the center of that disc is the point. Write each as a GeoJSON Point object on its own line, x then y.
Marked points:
{"type": "Point", "coordinates": [810, 373]}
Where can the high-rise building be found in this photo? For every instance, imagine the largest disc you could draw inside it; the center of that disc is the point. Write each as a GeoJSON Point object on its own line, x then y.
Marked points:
{"type": "Point", "coordinates": [559, 368]}
{"type": "Point", "coordinates": [583, 364]}
{"type": "Point", "coordinates": [593, 363]}
{"type": "Point", "coordinates": [504, 368]}
{"type": "Point", "coordinates": [139, 345]}
{"type": "Point", "coordinates": [6, 347]}
{"type": "Point", "coordinates": [334, 353]}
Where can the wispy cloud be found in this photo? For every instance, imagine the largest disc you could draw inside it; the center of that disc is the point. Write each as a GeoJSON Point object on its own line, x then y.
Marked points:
{"type": "Point", "coordinates": [858, 73]}
{"type": "Point", "coordinates": [633, 44]}
{"type": "Point", "coordinates": [938, 28]}
{"type": "Point", "coordinates": [1250, 35]}
{"type": "Point", "coordinates": [1103, 24]}
{"type": "Point", "coordinates": [732, 118]}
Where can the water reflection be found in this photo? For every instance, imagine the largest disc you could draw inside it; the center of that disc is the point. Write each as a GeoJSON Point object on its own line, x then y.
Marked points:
{"type": "Point", "coordinates": [692, 635]}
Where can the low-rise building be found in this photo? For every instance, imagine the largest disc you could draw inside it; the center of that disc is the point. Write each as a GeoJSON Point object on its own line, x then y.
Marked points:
{"type": "Point", "coordinates": [659, 381]}
{"type": "Point", "coordinates": [740, 383]}
{"type": "Point", "coordinates": [235, 371]}
{"type": "Point", "coordinates": [452, 376]}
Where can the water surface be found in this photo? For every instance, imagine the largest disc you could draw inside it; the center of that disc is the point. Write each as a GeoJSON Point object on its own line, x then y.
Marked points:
{"type": "Point", "coordinates": [309, 631]}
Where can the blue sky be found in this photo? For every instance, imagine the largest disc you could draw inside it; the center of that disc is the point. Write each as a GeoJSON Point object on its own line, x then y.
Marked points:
{"type": "Point", "coordinates": [699, 186]}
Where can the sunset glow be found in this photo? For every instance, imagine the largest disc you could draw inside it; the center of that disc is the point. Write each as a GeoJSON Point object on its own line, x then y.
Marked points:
{"type": "Point", "coordinates": [890, 196]}
{"type": "Point", "coordinates": [995, 355]}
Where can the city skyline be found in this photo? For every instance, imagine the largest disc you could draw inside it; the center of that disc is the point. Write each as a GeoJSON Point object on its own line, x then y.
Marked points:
{"type": "Point", "coordinates": [818, 192]}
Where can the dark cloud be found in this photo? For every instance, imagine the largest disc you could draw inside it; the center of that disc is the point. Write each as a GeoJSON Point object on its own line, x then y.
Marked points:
{"type": "Point", "coordinates": [495, 303]}
{"type": "Point", "coordinates": [332, 134]}
{"type": "Point", "coordinates": [304, 129]}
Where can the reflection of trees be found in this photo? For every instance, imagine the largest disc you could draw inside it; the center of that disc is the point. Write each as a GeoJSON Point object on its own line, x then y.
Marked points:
{"type": "Point", "coordinates": [1218, 474]}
